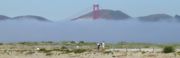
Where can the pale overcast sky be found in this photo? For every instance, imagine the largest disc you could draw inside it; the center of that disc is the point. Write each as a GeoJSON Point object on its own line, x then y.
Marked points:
{"type": "Point", "coordinates": [63, 9]}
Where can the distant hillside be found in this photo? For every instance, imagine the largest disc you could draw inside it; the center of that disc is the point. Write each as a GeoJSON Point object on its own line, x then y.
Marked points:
{"type": "Point", "coordinates": [156, 17]}
{"type": "Point", "coordinates": [3, 17]}
{"type": "Point", "coordinates": [177, 17]}
{"type": "Point", "coordinates": [30, 17]}
{"type": "Point", "coordinates": [106, 14]}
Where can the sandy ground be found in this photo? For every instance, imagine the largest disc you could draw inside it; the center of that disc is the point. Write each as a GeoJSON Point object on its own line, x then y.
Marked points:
{"type": "Point", "coordinates": [116, 53]}
{"type": "Point", "coordinates": [92, 55]}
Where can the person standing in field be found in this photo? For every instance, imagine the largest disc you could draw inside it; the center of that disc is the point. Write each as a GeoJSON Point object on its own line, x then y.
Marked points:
{"type": "Point", "coordinates": [103, 45]}
{"type": "Point", "coordinates": [98, 46]}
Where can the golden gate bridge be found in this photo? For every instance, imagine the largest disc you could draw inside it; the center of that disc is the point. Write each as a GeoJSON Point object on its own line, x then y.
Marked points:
{"type": "Point", "coordinates": [95, 11]}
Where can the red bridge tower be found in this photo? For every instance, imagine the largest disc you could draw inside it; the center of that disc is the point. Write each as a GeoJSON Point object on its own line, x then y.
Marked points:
{"type": "Point", "coordinates": [96, 11]}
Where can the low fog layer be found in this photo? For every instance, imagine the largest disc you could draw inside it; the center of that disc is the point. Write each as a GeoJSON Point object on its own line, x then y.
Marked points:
{"type": "Point", "coordinates": [97, 30]}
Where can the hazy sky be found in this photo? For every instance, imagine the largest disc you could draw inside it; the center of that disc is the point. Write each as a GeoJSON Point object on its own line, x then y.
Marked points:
{"type": "Point", "coordinates": [102, 30]}
{"type": "Point", "coordinates": [64, 9]}
{"type": "Point", "coordinates": [58, 10]}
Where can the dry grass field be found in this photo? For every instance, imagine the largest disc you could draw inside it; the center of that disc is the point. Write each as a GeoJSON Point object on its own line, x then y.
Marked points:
{"type": "Point", "coordinates": [24, 50]}
{"type": "Point", "coordinates": [88, 55]}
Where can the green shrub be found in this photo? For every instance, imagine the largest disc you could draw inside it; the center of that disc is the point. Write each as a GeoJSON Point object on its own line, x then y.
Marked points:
{"type": "Point", "coordinates": [56, 49]}
{"type": "Point", "coordinates": [143, 52]}
{"type": "Point", "coordinates": [79, 50]}
{"type": "Point", "coordinates": [30, 53]}
{"type": "Point", "coordinates": [146, 46]}
{"type": "Point", "coordinates": [72, 42]}
{"type": "Point", "coordinates": [64, 48]}
{"type": "Point", "coordinates": [49, 54]}
{"type": "Point", "coordinates": [1, 43]}
{"type": "Point", "coordinates": [108, 52]}
{"type": "Point", "coordinates": [168, 49]}
{"type": "Point", "coordinates": [67, 51]}
{"type": "Point", "coordinates": [28, 43]}
{"type": "Point", "coordinates": [178, 53]}
{"type": "Point", "coordinates": [44, 50]}
{"type": "Point", "coordinates": [81, 42]}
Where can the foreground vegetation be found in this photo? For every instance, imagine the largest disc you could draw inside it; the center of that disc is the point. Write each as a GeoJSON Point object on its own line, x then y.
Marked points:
{"type": "Point", "coordinates": [82, 49]}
